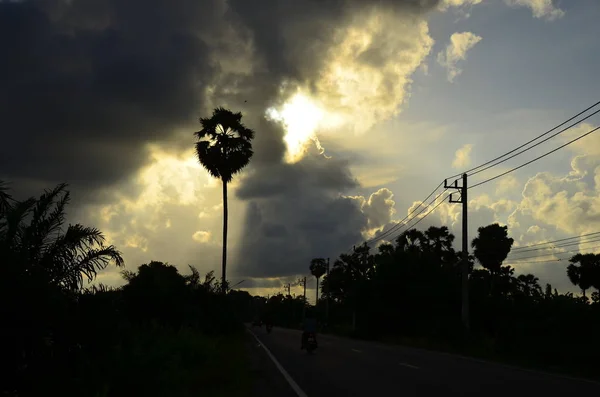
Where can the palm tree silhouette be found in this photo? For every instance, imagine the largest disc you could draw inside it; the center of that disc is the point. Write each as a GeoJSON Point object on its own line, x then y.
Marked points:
{"type": "Point", "coordinates": [35, 247]}
{"type": "Point", "coordinates": [491, 247]}
{"type": "Point", "coordinates": [318, 267]}
{"type": "Point", "coordinates": [583, 271]}
{"type": "Point", "coordinates": [224, 148]}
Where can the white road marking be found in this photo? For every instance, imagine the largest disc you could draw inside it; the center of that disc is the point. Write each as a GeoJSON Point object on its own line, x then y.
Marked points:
{"type": "Point", "coordinates": [356, 350]}
{"type": "Point", "coordinates": [409, 366]}
{"type": "Point", "coordinates": [285, 374]}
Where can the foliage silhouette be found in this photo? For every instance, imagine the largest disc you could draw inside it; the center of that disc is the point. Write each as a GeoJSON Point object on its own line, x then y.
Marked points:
{"type": "Point", "coordinates": [409, 291]}
{"type": "Point", "coordinates": [584, 271]}
{"type": "Point", "coordinates": [153, 336]}
{"type": "Point", "coordinates": [224, 148]}
{"type": "Point", "coordinates": [491, 247]}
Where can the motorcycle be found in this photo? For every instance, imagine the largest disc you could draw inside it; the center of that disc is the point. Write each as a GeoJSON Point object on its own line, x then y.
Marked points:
{"type": "Point", "coordinates": [311, 343]}
{"type": "Point", "coordinates": [269, 328]}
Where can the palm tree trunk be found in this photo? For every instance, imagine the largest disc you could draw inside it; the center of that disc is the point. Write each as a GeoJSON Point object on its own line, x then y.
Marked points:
{"type": "Point", "coordinates": [224, 263]}
{"type": "Point", "coordinates": [317, 301]}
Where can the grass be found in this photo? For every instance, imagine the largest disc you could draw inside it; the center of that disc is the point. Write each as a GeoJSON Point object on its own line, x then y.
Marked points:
{"type": "Point", "coordinates": [160, 362]}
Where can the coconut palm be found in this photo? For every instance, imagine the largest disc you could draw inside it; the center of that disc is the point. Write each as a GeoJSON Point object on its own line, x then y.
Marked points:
{"type": "Point", "coordinates": [224, 148]}
{"type": "Point", "coordinates": [35, 246]}
{"type": "Point", "coordinates": [318, 267]}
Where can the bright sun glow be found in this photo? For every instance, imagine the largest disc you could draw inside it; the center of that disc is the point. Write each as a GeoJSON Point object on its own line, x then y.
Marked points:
{"type": "Point", "coordinates": [301, 118]}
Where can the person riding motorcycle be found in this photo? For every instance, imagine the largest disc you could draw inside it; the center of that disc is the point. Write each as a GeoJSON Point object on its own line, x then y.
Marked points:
{"type": "Point", "coordinates": [268, 321]}
{"type": "Point", "coordinates": [309, 326]}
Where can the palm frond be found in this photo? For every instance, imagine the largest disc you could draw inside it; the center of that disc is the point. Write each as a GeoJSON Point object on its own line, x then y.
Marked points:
{"type": "Point", "coordinates": [224, 147]}
{"type": "Point", "coordinates": [13, 225]}
{"type": "Point", "coordinates": [76, 238]}
{"type": "Point", "coordinates": [6, 199]}
{"type": "Point", "coordinates": [194, 278]}
{"type": "Point", "coordinates": [46, 221]}
{"type": "Point", "coordinates": [87, 263]}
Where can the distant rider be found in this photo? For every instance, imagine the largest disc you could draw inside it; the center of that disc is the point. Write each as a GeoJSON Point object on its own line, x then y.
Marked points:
{"type": "Point", "coordinates": [309, 326]}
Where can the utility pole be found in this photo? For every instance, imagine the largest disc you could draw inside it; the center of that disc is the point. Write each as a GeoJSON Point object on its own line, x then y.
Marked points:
{"type": "Point", "coordinates": [304, 303]}
{"type": "Point", "coordinates": [288, 287]}
{"type": "Point", "coordinates": [304, 282]}
{"type": "Point", "coordinates": [327, 299]}
{"type": "Point", "coordinates": [465, 248]}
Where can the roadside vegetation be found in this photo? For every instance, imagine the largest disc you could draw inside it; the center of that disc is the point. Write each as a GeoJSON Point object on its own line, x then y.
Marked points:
{"type": "Point", "coordinates": [160, 334]}
{"type": "Point", "coordinates": [409, 292]}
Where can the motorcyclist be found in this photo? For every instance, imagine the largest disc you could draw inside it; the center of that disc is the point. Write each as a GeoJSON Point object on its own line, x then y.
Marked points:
{"type": "Point", "coordinates": [268, 320]}
{"type": "Point", "coordinates": [309, 326]}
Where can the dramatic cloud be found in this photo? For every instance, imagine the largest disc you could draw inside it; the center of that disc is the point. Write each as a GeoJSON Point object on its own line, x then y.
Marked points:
{"type": "Point", "coordinates": [543, 9]}
{"type": "Point", "coordinates": [456, 52]}
{"type": "Point", "coordinates": [343, 71]}
{"type": "Point", "coordinates": [379, 208]}
{"type": "Point", "coordinates": [462, 157]}
{"type": "Point", "coordinates": [361, 77]}
{"type": "Point", "coordinates": [105, 95]}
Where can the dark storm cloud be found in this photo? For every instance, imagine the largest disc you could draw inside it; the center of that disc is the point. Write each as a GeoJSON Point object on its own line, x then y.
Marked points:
{"type": "Point", "coordinates": [317, 224]}
{"type": "Point", "coordinates": [291, 38]}
{"type": "Point", "coordinates": [85, 85]}
{"type": "Point", "coordinates": [312, 174]}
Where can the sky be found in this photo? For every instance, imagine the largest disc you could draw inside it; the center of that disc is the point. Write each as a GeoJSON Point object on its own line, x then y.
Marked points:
{"type": "Point", "coordinates": [360, 108]}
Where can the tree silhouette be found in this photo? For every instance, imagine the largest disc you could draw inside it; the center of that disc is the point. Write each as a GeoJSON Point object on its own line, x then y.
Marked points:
{"type": "Point", "coordinates": [410, 290]}
{"type": "Point", "coordinates": [318, 267]}
{"type": "Point", "coordinates": [224, 148]}
{"type": "Point", "coordinates": [35, 246]}
{"type": "Point", "coordinates": [491, 247]}
{"type": "Point", "coordinates": [42, 268]}
{"type": "Point", "coordinates": [584, 271]}
{"type": "Point", "coordinates": [529, 285]}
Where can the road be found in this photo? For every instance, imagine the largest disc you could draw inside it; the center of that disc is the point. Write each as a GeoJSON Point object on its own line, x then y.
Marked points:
{"type": "Point", "coordinates": [347, 367]}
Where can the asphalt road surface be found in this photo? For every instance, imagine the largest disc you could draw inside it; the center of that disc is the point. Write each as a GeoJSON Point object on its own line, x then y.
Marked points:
{"type": "Point", "coordinates": [347, 367]}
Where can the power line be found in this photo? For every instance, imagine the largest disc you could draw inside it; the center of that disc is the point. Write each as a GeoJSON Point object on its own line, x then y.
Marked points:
{"type": "Point", "coordinates": [546, 261]}
{"type": "Point", "coordinates": [567, 244]}
{"type": "Point", "coordinates": [416, 215]}
{"type": "Point", "coordinates": [427, 214]}
{"type": "Point", "coordinates": [535, 159]}
{"type": "Point", "coordinates": [526, 143]}
{"type": "Point", "coordinates": [555, 253]}
{"type": "Point", "coordinates": [400, 224]}
{"type": "Point", "coordinates": [537, 144]}
{"type": "Point", "coordinates": [555, 241]}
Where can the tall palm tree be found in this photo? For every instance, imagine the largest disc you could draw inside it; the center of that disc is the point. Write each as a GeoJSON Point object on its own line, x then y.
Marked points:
{"type": "Point", "coordinates": [35, 246]}
{"type": "Point", "coordinates": [224, 148]}
{"type": "Point", "coordinates": [318, 267]}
